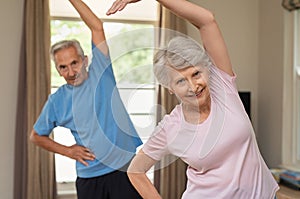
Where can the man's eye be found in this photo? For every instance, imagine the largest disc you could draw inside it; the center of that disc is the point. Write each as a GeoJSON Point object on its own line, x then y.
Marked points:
{"type": "Point", "coordinates": [74, 63]}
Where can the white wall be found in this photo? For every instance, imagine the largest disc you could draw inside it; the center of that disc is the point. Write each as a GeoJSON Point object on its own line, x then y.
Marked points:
{"type": "Point", "coordinates": [253, 31]}
{"type": "Point", "coordinates": [10, 39]}
{"type": "Point", "coordinates": [238, 21]}
{"type": "Point", "coordinates": [270, 73]}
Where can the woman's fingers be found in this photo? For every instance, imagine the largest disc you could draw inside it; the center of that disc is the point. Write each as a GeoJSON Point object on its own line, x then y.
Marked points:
{"type": "Point", "coordinates": [117, 6]}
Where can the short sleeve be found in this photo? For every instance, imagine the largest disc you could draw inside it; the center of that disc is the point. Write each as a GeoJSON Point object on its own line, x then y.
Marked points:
{"type": "Point", "coordinates": [47, 119]}
{"type": "Point", "coordinates": [99, 62]}
{"type": "Point", "coordinates": [156, 145]}
{"type": "Point", "coordinates": [221, 81]}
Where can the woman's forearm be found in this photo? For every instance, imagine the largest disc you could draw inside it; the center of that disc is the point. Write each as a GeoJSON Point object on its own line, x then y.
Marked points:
{"type": "Point", "coordinates": [137, 170]}
{"type": "Point", "coordinates": [143, 185]}
{"type": "Point", "coordinates": [195, 14]}
{"type": "Point", "coordinates": [210, 33]}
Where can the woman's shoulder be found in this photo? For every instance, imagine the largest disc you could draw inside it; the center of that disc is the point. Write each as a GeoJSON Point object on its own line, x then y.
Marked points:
{"type": "Point", "coordinates": [221, 81]}
{"type": "Point", "coordinates": [174, 118]}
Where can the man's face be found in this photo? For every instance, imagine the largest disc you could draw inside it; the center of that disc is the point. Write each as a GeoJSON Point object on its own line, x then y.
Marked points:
{"type": "Point", "coordinates": [71, 66]}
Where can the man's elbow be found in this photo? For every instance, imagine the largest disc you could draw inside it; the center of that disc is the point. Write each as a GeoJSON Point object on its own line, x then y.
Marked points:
{"type": "Point", "coordinates": [33, 137]}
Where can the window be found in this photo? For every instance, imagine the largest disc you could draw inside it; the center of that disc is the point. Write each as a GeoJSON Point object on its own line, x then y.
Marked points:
{"type": "Point", "coordinates": [291, 114]}
{"type": "Point", "coordinates": [133, 70]}
{"type": "Point", "coordinates": [297, 82]}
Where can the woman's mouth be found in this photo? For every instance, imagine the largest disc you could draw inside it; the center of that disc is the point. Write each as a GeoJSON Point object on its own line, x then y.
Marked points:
{"type": "Point", "coordinates": [199, 93]}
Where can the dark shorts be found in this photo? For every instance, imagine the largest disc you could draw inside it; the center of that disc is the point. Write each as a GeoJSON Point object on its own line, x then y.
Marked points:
{"type": "Point", "coordinates": [115, 185]}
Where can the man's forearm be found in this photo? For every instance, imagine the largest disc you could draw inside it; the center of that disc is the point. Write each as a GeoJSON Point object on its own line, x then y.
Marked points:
{"type": "Point", "coordinates": [48, 144]}
{"type": "Point", "coordinates": [87, 15]}
{"type": "Point", "coordinates": [93, 22]}
{"type": "Point", "coordinates": [76, 152]}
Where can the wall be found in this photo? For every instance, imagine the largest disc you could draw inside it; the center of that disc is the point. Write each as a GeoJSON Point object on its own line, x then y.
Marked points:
{"type": "Point", "coordinates": [253, 31]}
{"type": "Point", "coordinates": [10, 38]}
{"type": "Point", "coordinates": [238, 21]}
{"type": "Point", "coordinates": [270, 82]}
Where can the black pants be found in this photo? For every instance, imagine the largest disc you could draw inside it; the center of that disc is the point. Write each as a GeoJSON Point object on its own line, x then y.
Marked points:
{"type": "Point", "coordinates": [115, 185]}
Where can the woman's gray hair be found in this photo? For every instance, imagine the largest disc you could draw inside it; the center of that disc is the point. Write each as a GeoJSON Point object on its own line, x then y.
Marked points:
{"type": "Point", "coordinates": [181, 52]}
{"type": "Point", "coordinates": [66, 44]}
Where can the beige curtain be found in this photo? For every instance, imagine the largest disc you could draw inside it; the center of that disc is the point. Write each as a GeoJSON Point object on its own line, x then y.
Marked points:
{"type": "Point", "coordinates": [37, 180]}
{"type": "Point", "coordinates": [20, 169]}
{"type": "Point", "coordinates": [291, 4]}
{"type": "Point", "coordinates": [169, 180]}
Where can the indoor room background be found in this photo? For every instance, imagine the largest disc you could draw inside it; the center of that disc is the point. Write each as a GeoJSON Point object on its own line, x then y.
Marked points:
{"type": "Point", "coordinates": [255, 34]}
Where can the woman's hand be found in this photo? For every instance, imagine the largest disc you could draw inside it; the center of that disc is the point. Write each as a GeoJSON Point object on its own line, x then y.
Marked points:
{"type": "Point", "coordinates": [119, 5]}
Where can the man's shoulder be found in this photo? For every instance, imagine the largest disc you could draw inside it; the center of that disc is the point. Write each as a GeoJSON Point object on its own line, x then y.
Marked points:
{"type": "Point", "coordinates": [61, 91]}
{"type": "Point", "coordinates": [97, 53]}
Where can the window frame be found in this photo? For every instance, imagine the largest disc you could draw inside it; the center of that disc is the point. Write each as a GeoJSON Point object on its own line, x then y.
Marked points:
{"type": "Point", "coordinates": [291, 92]}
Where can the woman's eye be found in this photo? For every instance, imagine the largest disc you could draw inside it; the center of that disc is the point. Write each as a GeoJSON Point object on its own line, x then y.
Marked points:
{"type": "Point", "coordinates": [180, 81]}
{"type": "Point", "coordinates": [197, 74]}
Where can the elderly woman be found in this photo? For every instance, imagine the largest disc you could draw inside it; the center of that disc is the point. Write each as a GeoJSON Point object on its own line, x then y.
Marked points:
{"type": "Point", "coordinates": [209, 129]}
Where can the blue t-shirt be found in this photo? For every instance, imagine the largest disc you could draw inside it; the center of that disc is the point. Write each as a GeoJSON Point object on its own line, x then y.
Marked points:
{"type": "Point", "coordinates": [96, 116]}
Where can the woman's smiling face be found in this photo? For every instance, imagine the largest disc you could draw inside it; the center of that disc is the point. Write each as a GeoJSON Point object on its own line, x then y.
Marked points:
{"type": "Point", "coordinates": [190, 85]}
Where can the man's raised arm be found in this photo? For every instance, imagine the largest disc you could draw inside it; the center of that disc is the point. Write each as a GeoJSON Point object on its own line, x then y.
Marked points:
{"type": "Point", "coordinates": [93, 22]}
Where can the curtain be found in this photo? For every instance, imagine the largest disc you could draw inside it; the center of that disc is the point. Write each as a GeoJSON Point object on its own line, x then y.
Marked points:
{"type": "Point", "coordinates": [34, 167]}
{"type": "Point", "coordinates": [291, 4]}
{"type": "Point", "coordinates": [20, 170]}
{"type": "Point", "coordinates": [169, 175]}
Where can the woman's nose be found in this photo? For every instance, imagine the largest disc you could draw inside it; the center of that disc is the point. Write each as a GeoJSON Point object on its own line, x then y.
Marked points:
{"type": "Point", "coordinates": [193, 86]}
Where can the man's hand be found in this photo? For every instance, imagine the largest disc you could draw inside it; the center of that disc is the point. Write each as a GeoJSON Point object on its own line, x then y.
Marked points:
{"type": "Point", "coordinates": [119, 5]}
{"type": "Point", "coordinates": [75, 152]}
{"type": "Point", "coordinates": [80, 153]}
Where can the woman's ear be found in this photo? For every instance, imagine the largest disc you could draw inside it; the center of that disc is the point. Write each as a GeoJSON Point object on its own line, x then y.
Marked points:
{"type": "Point", "coordinates": [170, 91]}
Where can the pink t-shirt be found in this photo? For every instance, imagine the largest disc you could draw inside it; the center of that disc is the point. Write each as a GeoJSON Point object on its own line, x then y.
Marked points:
{"type": "Point", "coordinates": [223, 158]}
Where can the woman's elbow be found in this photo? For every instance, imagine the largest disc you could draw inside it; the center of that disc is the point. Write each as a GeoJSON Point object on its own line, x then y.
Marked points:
{"type": "Point", "coordinates": [135, 178]}
{"type": "Point", "coordinates": [209, 19]}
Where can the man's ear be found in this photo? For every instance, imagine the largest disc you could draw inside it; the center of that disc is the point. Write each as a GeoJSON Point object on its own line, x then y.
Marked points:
{"type": "Point", "coordinates": [57, 71]}
{"type": "Point", "coordinates": [170, 91]}
{"type": "Point", "coordinates": [85, 61]}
